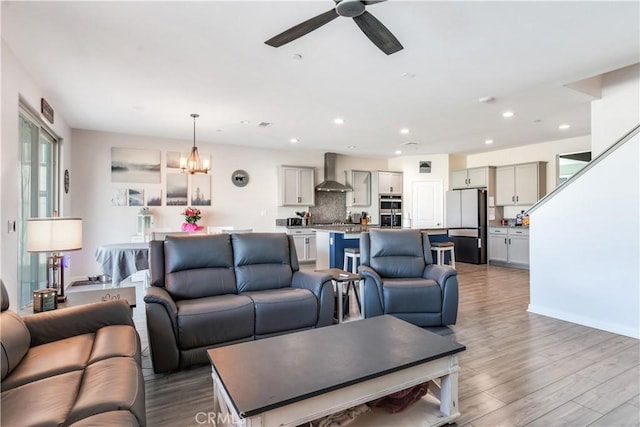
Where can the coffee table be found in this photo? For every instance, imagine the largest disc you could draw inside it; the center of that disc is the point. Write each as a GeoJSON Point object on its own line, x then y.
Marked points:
{"type": "Point", "coordinates": [291, 379]}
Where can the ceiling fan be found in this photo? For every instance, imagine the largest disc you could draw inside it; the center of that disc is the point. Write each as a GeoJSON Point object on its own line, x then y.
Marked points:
{"type": "Point", "coordinates": [370, 26]}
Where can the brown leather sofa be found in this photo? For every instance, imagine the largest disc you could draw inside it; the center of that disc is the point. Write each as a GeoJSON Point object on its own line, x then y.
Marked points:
{"type": "Point", "coordinates": [77, 366]}
{"type": "Point", "coordinates": [212, 290]}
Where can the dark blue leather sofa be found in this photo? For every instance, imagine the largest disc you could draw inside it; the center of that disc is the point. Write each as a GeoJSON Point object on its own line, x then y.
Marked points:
{"type": "Point", "coordinates": [212, 290]}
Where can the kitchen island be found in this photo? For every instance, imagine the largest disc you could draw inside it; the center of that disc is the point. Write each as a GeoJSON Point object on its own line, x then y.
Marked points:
{"type": "Point", "coordinates": [332, 240]}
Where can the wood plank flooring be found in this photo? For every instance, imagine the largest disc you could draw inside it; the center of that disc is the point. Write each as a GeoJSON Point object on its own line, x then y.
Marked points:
{"type": "Point", "coordinates": [519, 369]}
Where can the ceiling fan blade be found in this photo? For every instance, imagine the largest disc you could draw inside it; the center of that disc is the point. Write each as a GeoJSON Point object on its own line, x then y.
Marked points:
{"type": "Point", "coordinates": [370, 2]}
{"type": "Point", "coordinates": [378, 33]}
{"type": "Point", "coordinates": [302, 29]}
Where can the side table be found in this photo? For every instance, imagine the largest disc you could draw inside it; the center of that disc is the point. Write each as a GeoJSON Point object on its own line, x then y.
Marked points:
{"type": "Point", "coordinates": [341, 278]}
{"type": "Point", "coordinates": [88, 292]}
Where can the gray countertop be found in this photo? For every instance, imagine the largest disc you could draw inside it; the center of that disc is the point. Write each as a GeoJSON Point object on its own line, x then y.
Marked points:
{"type": "Point", "coordinates": [357, 229]}
{"type": "Point", "coordinates": [496, 224]}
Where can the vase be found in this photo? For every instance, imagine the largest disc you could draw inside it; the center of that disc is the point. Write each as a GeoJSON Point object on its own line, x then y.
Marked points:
{"type": "Point", "coordinates": [190, 227]}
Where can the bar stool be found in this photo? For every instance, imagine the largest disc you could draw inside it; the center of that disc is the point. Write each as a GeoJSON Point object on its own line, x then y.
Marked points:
{"type": "Point", "coordinates": [354, 255]}
{"type": "Point", "coordinates": [440, 248]}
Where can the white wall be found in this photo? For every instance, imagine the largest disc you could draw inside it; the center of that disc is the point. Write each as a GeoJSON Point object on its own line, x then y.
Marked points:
{"type": "Point", "coordinates": [618, 111]}
{"type": "Point", "coordinates": [584, 248]}
{"type": "Point", "coordinates": [18, 84]}
{"type": "Point", "coordinates": [253, 206]}
{"type": "Point", "coordinates": [543, 152]}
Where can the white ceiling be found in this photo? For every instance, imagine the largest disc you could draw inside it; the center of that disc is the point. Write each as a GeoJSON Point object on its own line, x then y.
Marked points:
{"type": "Point", "coordinates": [143, 67]}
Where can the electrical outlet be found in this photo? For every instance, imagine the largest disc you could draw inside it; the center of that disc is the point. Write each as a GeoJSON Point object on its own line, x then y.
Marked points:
{"type": "Point", "coordinates": [11, 226]}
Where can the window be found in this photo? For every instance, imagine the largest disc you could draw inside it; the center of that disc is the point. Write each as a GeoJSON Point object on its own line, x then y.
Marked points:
{"type": "Point", "coordinates": [569, 164]}
{"type": "Point", "coordinates": [39, 151]}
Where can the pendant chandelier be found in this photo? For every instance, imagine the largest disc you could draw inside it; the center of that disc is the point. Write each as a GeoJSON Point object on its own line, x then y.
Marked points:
{"type": "Point", "coordinates": [193, 164]}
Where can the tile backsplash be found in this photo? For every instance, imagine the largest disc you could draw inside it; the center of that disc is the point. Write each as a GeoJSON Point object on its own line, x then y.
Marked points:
{"type": "Point", "coordinates": [330, 207]}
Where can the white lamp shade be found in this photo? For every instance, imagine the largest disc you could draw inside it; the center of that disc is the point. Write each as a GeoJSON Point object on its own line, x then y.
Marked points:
{"type": "Point", "coordinates": [54, 234]}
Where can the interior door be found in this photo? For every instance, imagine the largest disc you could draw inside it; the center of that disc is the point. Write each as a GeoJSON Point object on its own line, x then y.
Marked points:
{"type": "Point", "coordinates": [426, 206]}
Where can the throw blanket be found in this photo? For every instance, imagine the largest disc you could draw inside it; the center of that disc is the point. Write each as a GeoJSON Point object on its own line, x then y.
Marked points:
{"type": "Point", "coordinates": [401, 400]}
{"type": "Point", "coordinates": [343, 418]}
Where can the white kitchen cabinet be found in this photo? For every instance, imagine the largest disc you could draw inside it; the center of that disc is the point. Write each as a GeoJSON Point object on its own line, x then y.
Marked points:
{"type": "Point", "coordinates": [296, 186]}
{"type": "Point", "coordinates": [360, 181]}
{"type": "Point", "coordinates": [521, 184]}
{"type": "Point", "coordinates": [389, 182]}
{"type": "Point", "coordinates": [304, 240]}
{"type": "Point", "coordinates": [518, 246]}
{"type": "Point", "coordinates": [509, 246]}
{"type": "Point", "coordinates": [498, 247]}
{"type": "Point", "coordinates": [470, 178]}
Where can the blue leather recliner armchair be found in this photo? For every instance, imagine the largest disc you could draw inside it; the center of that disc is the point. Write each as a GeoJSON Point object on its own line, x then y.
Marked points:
{"type": "Point", "coordinates": [401, 279]}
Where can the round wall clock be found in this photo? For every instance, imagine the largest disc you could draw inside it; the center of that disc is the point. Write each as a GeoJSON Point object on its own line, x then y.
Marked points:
{"type": "Point", "coordinates": [240, 178]}
{"type": "Point", "coordinates": [66, 181]}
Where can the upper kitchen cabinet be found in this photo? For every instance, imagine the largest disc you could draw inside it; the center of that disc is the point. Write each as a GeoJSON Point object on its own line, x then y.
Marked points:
{"type": "Point", "coordinates": [389, 182]}
{"type": "Point", "coordinates": [360, 181]}
{"type": "Point", "coordinates": [296, 186]}
{"type": "Point", "coordinates": [471, 178]}
{"type": "Point", "coordinates": [521, 184]}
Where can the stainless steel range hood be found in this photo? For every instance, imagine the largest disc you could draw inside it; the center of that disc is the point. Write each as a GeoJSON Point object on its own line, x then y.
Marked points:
{"type": "Point", "coordinates": [330, 183]}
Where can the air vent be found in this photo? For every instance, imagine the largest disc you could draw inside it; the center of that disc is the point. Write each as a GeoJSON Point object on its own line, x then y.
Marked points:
{"type": "Point", "coordinates": [264, 124]}
{"type": "Point", "coordinates": [410, 144]}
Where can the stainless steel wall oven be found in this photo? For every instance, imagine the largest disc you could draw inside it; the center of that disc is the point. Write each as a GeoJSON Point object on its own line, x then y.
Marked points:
{"type": "Point", "coordinates": [390, 211]}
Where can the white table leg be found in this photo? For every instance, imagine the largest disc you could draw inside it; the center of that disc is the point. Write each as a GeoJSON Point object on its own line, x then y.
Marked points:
{"type": "Point", "coordinates": [449, 394]}
{"type": "Point", "coordinates": [216, 403]}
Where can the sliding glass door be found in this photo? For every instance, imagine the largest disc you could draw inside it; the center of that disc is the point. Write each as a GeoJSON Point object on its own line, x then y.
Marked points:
{"type": "Point", "coordinates": [38, 198]}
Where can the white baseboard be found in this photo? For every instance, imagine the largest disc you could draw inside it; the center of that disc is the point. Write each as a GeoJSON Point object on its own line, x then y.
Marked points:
{"type": "Point", "coordinates": [615, 328]}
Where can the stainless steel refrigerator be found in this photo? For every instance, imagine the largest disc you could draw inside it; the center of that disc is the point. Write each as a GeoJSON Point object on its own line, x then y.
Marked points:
{"type": "Point", "coordinates": [467, 224]}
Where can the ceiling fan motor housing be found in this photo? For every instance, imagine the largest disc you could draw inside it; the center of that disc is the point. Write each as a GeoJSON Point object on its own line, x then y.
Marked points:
{"type": "Point", "coordinates": [350, 8]}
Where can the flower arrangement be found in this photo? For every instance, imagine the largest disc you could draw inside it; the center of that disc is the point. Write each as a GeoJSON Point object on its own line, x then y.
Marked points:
{"type": "Point", "coordinates": [191, 218]}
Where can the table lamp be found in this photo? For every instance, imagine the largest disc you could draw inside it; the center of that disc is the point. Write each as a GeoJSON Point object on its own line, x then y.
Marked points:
{"type": "Point", "coordinates": [54, 235]}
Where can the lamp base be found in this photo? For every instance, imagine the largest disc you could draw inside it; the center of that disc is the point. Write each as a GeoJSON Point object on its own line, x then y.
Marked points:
{"type": "Point", "coordinates": [61, 298]}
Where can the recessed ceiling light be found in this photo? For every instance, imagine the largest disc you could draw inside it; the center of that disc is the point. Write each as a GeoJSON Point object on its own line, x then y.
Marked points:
{"type": "Point", "coordinates": [398, 152]}
{"type": "Point", "coordinates": [485, 99]}
{"type": "Point", "coordinates": [488, 141]}
{"type": "Point", "coordinates": [294, 140]}
{"type": "Point", "coordinates": [351, 147]}
{"type": "Point", "coordinates": [564, 126]}
{"type": "Point", "coordinates": [408, 75]}
{"type": "Point", "coordinates": [297, 56]}
{"type": "Point", "coordinates": [508, 114]}
{"type": "Point", "coordinates": [339, 121]}
{"type": "Point", "coordinates": [404, 131]}
{"type": "Point", "coordinates": [244, 122]}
